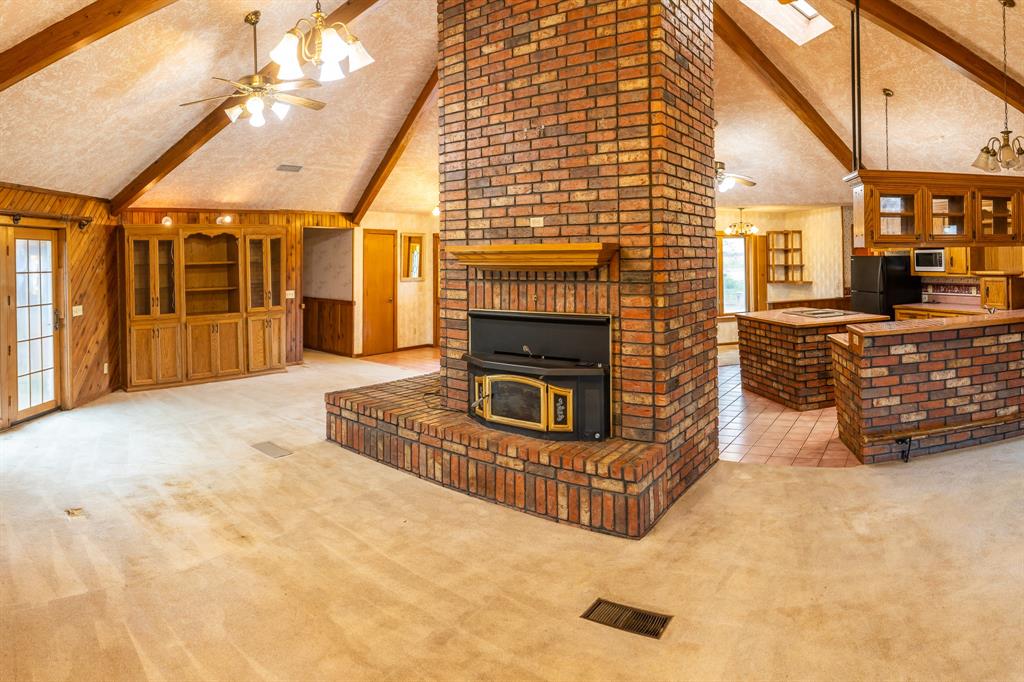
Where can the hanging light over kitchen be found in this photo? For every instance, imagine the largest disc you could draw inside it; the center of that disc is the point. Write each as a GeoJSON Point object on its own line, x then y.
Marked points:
{"type": "Point", "coordinates": [312, 40]}
{"type": "Point", "coordinates": [1006, 153]}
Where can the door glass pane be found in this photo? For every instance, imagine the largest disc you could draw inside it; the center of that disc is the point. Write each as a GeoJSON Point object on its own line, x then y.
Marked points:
{"type": "Point", "coordinates": [275, 272]}
{"type": "Point", "coordinates": [948, 214]}
{"type": "Point", "coordinates": [140, 274]}
{"type": "Point", "coordinates": [996, 216]}
{"type": "Point", "coordinates": [165, 276]}
{"type": "Point", "coordinates": [897, 214]}
{"type": "Point", "coordinates": [734, 275]}
{"type": "Point", "coordinates": [256, 284]}
{"type": "Point", "coordinates": [515, 400]}
{"type": "Point", "coordinates": [34, 319]}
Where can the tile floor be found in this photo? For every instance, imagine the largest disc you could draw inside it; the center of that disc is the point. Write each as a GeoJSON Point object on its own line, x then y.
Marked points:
{"type": "Point", "coordinates": [752, 429]}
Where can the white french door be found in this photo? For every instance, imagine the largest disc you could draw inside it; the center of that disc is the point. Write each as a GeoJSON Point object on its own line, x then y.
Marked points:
{"type": "Point", "coordinates": [33, 323]}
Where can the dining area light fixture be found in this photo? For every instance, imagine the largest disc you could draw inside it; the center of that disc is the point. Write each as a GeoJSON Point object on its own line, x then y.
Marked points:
{"type": "Point", "coordinates": [313, 41]}
{"type": "Point", "coordinates": [1004, 152]}
{"type": "Point", "coordinates": [741, 228]}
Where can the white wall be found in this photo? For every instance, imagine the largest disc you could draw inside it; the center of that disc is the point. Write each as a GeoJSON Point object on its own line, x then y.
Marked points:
{"type": "Point", "coordinates": [415, 298]}
{"type": "Point", "coordinates": [327, 263]}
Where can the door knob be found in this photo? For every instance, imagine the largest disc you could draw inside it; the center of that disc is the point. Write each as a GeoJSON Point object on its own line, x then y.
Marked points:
{"type": "Point", "coordinates": [391, 300]}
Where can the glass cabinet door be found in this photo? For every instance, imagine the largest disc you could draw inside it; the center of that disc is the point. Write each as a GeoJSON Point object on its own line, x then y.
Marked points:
{"type": "Point", "coordinates": [948, 215]}
{"type": "Point", "coordinates": [275, 264]}
{"type": "Point", "coordinates": [897, 216]}
{"type": "Point", "coordinates": [257, 273]}
{"type": "Point", "coordinates": [165, 262]}
{"type": "Point", "coordinates": [996, 216]}
{"type": "Point", "coordinates": [142, 284]}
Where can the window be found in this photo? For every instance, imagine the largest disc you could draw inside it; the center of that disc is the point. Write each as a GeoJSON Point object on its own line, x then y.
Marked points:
{"type": "Point", "coordinates": [797, 20]}
{"type": "Point", "coordinates": [733, 289]}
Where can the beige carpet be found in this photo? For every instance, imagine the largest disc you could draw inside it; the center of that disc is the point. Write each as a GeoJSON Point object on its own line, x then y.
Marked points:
{"type": "Point", "coordinates": [198, 557]}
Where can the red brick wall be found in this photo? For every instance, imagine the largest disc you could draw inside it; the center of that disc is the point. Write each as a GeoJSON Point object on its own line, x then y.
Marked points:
{"type": "Point", "coordinates": [598, 117]}
{"type": "Point", "coordinates": [946, 388]}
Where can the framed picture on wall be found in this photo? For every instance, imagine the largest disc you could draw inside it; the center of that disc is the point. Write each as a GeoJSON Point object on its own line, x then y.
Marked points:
{"type": "Point", "coordinates": [412, 256]}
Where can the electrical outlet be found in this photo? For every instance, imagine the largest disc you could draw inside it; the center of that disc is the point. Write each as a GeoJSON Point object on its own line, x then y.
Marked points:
{"type": "Point", "coordinates": [106, 368]}
{"type": "Point", "coordinates": [537, 221]}
{"type": "Point", "coordinates": [76, 311]}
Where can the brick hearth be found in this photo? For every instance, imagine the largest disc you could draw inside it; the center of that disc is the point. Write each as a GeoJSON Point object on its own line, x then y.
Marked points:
{"type": "Point", "coordinates": [616, 486]}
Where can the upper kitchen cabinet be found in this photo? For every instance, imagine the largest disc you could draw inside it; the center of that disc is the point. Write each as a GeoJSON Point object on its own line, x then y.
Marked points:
{"type": "Point", "coordinates": [900, 209]}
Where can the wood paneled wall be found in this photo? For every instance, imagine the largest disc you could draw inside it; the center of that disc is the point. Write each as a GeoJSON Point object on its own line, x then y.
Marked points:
{"type": "Point", "coordinates": [293, 221]}
{"type": "Point", "coordinates": [92, 283]}
{"type": "Point", "coordinates": [328, 325]}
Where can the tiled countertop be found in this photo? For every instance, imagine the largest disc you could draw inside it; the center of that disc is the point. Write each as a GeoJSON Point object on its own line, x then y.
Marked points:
{"type": "Point", "coordinates": [951, 308]}
{"type": "Point", "coordinates": [937, 324]}
{"type": "Point", "coordinates": [786, 318]}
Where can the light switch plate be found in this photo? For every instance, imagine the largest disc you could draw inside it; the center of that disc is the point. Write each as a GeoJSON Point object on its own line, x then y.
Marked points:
{"type": "Point", "coordinates": [76, 311]}
{"type": "Point", "coordinates": [537, 222]}
{"type": "Point", "coordinates": [289, 293]}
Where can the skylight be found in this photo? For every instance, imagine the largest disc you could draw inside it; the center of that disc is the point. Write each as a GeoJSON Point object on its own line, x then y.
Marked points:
{"type": "Point", "coordinates": [797, 20]}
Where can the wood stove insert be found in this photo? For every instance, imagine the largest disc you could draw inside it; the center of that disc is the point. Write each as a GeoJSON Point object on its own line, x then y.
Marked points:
{"type": "Point", "coordinates": [541, 374]}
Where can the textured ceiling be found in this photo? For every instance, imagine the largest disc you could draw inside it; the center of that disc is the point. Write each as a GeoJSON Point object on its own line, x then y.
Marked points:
{"type": "Point", "coordinates": [92, 121]}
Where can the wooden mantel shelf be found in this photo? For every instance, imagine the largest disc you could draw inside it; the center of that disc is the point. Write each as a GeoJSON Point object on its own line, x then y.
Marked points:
{"type": "Point", "coordinates": [571, 257]}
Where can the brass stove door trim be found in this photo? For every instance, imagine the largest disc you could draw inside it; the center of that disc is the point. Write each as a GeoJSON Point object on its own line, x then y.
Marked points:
{"type": "Point", "coordinates": [554, 392]}
{"type": "Point", "coordinates": [490, 379]}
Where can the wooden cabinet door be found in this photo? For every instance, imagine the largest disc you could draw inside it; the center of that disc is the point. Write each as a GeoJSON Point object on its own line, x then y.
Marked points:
{"type": "Point", "coordinates": [994, 292]}
{"type": "Point", "coordinates": [275, 341]}
{"type": "Point", "coordinates": [200, 339]}
{"type": "Point", "coordinates": [894, 214]}
{"type": "Point", "coordinates": [153, 264]}
{"type": "Point", "coordinates": [259, 353]}
{"type": "Point", "coordinates": [275, 272]}
{"type": "Point", "coordinates": [168, 353]}
{"type": "Point", "coordinates": [947, 215]}
{"type": "Point", "coordinates": [140, 279]}
{"type": "Point", "coordinates": [229, 348]}
{"type": "Point", "coordinates": [957, 260]}
{"type": "Point", "coordinates": [142, 356]}
{"type": "Point", "coordinates": [997, 216]}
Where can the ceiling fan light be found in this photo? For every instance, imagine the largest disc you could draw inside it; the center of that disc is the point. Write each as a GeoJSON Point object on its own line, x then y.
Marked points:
{"type": "Point", "coordinates": [330, 71]}
{"type": "Point", "coordinates": [234, 112]}
{"type": "Point", "coordinates": [726, 184]}
{"type": "Point", "coordinates": [280, 110]}
{"type": "Point", "coordinates": [358, 57]}
{"type": "Point", "coordinates": [254, 105]}
{"type": "Point", "coordinates": [333, 48]}
{"type": "Point", "coordinates": [257, 119]}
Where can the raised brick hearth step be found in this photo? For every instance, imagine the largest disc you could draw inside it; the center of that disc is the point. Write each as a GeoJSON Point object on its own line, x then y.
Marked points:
{"type": "Point", "coordinates": [614, 486]}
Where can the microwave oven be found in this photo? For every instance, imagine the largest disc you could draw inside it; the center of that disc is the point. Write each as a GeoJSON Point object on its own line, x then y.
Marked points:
{"type": "Point", "coordinates": [930, 260]}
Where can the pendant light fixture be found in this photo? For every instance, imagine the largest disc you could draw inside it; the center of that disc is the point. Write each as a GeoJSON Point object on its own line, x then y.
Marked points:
{"type": "Point", "coordinates": [741, 228]}
{"type": "Point", "coordinates": [312, 40]}
{"type": "Point", "coordinates": [1006, 153]}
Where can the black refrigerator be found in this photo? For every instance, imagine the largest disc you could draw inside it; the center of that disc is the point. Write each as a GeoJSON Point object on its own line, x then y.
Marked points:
{"type": "Point", "coordinates": [880, 282]}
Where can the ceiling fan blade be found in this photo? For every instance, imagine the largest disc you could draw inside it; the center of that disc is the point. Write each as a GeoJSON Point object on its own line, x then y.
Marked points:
{"type": "Point", "coordinates": [210, 99]}
{"type": "Point", "coordinates": [742, 179]}
{"type": "Point", "coordinates": [240, 86]}
{"type": "Point", "coordinates": [288, 86]}
{"type": "Point", "coordinates": [300, 101]}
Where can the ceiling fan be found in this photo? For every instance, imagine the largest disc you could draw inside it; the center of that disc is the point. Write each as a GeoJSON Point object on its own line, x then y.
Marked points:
{"type": "Point", "coordinates": [726, 181]}
{"type": "Point", "coordinates": [259, 90]}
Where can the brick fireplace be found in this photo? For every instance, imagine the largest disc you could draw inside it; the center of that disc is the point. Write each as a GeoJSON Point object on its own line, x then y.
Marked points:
{"type": "Point", "coordinates": [571, 121]}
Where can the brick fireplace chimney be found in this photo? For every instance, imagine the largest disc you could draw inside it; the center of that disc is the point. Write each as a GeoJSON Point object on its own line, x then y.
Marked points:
{"type": "Point", "coordinates": [596, 117]}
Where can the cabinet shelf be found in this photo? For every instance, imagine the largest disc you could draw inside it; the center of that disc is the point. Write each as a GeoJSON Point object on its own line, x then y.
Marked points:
{"type": "Point", "coordinates": [200, 290]}
{"type": "Point", "coordinates": [210, 263]}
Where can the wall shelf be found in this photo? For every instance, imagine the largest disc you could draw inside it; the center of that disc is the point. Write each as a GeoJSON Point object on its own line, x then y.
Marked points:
{"type": "Point", "coordinates": [571, 257]}
{"type": "Point", "coordinates": [785, 257]}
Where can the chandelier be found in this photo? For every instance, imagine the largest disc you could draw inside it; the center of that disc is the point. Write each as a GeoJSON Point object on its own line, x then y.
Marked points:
{"type": "Point", "coordinates": [1005, 153]}
{"type": "Point", "coordinates": [312, 40]}
{"type": "Point", "coordinates": [741, 228]}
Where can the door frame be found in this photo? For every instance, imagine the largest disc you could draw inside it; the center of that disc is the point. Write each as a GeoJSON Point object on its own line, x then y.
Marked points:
{"type": "Point", "coordinates": [395, 267]}
{"type": "Point", "coordinates": [62, 335]}
{"type": "Point", "coordinates": [436, 245]}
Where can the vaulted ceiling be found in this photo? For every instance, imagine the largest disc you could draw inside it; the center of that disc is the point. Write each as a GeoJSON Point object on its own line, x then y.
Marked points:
{"type": "Point", "coordinates": [91, 122]}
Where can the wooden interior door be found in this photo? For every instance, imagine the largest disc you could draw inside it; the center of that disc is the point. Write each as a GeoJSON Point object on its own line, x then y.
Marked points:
{"type": "Point", "coordinates": [380, 277]}
{"type": "Point", "coordinates": [33, 322]}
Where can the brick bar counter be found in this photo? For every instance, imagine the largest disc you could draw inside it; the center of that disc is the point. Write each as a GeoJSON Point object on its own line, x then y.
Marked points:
{"type": "Point", "coordinates": [615, 486]}
{"type": "Point", "coordinates": [943, 383]}
{"type": "Point", "coordinates": [785, 356]}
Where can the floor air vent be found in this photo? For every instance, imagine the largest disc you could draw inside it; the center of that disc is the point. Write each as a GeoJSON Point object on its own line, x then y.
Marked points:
{"type": "Point", "coordinates": [271, 449]}
{"type": "Point", "coordinates": [628, 618]}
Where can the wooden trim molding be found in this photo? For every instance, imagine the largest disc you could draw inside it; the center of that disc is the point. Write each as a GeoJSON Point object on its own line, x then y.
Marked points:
{"type": "Point", "coordinates": [570, 257]}
{"type": "Point", "coordinates": [207, 129]}
{"type": "Point", "coordinates": [745, 48]}
{"type": "Point", "coordinates": [70, 34]}
{"type": "Point", "coordinates": [918, 32]}
{"type": "Point", "coordinates": [394, 152]}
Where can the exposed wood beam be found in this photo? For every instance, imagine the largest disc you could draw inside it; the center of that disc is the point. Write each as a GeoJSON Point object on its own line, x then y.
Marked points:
{"type": "Point", "coordinates": [394, 152]}
{"type": "Point", "coordinates": [70, 34]}
{"type": "Point", "coordinates": [920, 33]}
{"type": "Point", "coordinates": [740, 43]}
{"type": "Point", "coordinates": [207, 129]}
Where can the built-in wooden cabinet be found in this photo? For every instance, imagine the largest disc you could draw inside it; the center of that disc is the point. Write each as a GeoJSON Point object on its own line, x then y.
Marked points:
{"type": "Point", "coordinates": [1001, 291]}
{"type": "Point", "coordinates": [899, 209]}
{"type": "Point", "coordinates": [204, 303]}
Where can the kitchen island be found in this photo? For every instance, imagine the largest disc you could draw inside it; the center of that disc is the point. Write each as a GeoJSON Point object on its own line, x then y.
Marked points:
{"type": "Point", "coordinates": [785, 354]}
{"type": "Point", "coordinates": [925, 386]}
